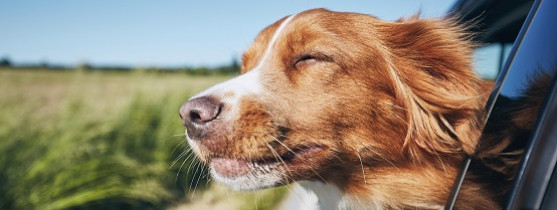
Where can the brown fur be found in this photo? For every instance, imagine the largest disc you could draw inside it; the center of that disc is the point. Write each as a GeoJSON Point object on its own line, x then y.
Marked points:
{"type": "Point", "coordinates": [393, 107]}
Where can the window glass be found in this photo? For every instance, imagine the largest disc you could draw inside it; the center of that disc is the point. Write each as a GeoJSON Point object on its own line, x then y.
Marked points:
{"type": "Point", "coordinates": [488, 61]}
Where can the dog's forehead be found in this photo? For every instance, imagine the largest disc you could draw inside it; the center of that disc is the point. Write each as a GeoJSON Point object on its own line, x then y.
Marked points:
{"type": "Point", "coordinates": [310, 25]}
{"type": "Point", "coordinates": [288, 25]}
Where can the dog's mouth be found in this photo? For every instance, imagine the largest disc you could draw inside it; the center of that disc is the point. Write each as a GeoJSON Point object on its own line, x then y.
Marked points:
{"type": "Point", "coordinates": [258, 153]}
{"type": "Point", "coordinates": [285, 165]}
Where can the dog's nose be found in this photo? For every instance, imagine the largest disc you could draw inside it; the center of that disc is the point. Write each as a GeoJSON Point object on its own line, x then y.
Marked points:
{"type": "Point", "coordinates": [199, 111]}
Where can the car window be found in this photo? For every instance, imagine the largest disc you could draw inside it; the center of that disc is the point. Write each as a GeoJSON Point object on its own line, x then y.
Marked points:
{"type": "Point", "coordinates": [520, 113]}
{"type": "Point", "coordinates": [489, 59]}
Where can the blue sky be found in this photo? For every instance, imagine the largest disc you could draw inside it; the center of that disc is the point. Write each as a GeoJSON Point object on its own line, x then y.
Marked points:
{"type": "Point", "coordinates": [160, 33]}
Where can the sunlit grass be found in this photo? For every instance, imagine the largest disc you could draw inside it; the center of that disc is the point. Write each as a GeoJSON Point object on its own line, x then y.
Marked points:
{"type": "Point", "coordinates": [98, 140]}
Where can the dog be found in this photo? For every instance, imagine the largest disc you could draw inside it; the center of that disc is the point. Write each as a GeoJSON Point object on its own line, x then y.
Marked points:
{"type": "Point", "coordinates": [365, 113]}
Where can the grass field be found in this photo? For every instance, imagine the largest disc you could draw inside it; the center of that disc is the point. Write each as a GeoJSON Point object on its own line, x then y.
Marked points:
{"type": "Point", "coordinates": [104, 140]}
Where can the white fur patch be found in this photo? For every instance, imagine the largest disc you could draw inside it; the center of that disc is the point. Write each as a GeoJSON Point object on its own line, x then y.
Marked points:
{"type": "Point", "coordinates": [313, 195]}
{"type": "Point", "coordinates": [328, 196]}
{"type": "Point", "coordinates": [259, 177]}
{"type": "Point", "coordinates": [299, 198]}
{"type": "Point", "coordinates": [248, 83]}
{"type": "Point", "coordinates": [230, 91]}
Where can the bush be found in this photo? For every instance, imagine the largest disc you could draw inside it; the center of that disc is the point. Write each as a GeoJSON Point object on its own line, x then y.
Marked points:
{"type": "Point", "coordinates": [75, 153]}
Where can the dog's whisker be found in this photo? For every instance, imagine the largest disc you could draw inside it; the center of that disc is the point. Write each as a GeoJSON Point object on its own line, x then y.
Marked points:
{"type": "Point", "coordinates": [277, 157]}
{"type": "Point", "coordinates": [188, 157]}
{"type": "Point", "coordinates": [178, 135]}
{"type": "Point", "coordinates": [176, 147]}
{"type": "Point", "coordinates": [303, 161]}
{"type": "Point", "coordinates": [179, 169]}
{"type": "Point", "coordinates": [388, 161]}
{"type": "Point", "coordinates": [362, 164]}
{"type": "Point", "coordinates": [208, 179]}
{"type": "Point", "coordinates": [199, 177]}
{"type": "Point", "coordinates": [180, 157]}
{"type": "Point", "coordinates": [190, 165]}
{"type": "Point", "coordinates": [197, 165]}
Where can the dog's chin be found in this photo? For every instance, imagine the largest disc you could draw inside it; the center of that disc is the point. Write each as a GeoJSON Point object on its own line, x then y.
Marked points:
{"type": "Point", "coordinates": [242, 175]}
{"type": "Point", "coordinates": [245, 175]}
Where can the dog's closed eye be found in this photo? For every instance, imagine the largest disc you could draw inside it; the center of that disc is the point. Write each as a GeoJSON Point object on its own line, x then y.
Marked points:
{"type": "Point", "coordinates": [306, 59]}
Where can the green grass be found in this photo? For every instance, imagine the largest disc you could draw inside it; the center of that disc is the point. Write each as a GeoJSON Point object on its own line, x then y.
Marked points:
{"type": "Point", "coordinates": [98, 140]}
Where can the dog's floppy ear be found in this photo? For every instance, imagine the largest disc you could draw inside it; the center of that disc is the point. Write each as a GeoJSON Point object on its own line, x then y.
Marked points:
{"type": "Point", "coordinates": [430, 65]}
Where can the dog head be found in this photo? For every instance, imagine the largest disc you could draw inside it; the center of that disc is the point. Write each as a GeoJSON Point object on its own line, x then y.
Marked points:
{"type": "Point", "coordinates": [324, 94]}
